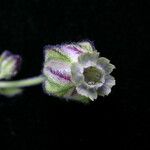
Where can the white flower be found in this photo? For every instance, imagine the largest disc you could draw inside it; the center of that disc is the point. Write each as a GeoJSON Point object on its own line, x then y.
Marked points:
{"type": "Point", "coordinates": [76, 71]}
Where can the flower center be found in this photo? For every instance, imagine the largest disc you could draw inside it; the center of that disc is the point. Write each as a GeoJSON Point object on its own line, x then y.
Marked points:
{"type": "Point", "coordinates": [92, 75]}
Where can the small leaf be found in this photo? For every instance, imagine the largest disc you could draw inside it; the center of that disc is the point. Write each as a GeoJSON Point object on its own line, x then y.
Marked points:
{"type": "Point", "coordinates": [10, 92]}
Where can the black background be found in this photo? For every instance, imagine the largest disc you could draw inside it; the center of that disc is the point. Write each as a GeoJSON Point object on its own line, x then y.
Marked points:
{"type": "Point", "coordinates": [37, 121]}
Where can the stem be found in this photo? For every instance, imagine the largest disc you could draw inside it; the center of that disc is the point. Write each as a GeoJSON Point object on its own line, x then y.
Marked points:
{"type": "Point", "coordinates": [22, 83]}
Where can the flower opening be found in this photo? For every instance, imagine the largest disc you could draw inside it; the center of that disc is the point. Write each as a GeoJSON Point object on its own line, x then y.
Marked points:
{"type": "Point", "coordinates": [92, 75]}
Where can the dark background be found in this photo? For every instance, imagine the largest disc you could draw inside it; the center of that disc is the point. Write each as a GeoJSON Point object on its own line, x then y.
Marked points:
{"type": "Point", "coordinates": [39, 122]}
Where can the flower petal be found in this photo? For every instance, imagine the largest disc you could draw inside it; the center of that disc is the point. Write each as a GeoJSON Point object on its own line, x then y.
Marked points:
{"type": "Point", "coordinates": [105, 64]}
{"type": "Point", "coordinates": [84, 90]}
{"type": "Point", "coordinates": [77, 73]}
{"type": "Point", "coordinates": [57, 71]}
{"type": "Point", "coordinates": [77, 97]}
{"type": "Point", "coordinates": [104, 90]}
{"type": "Point", "coordinates": [88, 59]}
{"type": "Point", "coordinates": [110, 81]}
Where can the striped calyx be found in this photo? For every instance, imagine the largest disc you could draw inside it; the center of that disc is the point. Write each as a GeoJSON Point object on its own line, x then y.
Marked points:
{"type": "Point", "coordinates": [76, 71]}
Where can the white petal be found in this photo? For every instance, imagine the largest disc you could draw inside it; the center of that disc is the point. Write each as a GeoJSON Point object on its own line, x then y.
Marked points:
{"type": "Point", "coordinates": [110, 81]}
{"type": "Point", "coordinates": [84, 90]}
{"type": "Point", "coordinates": [105, 64]}
{"type": "Point", "coordinates": [88, 59]}
{"type": "Point", "coordinates": [104, 90]}
{"type": "Point", "coordinates": [77, 73]}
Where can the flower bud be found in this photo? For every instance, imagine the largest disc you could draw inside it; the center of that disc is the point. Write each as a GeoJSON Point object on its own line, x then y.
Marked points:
{"type": "Point", "coordinates": [76, 71]}
{"type": "Point", "coordinates": [9, 65]}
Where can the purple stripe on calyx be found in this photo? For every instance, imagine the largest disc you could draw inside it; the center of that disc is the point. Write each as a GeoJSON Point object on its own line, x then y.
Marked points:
{"type": "Point", "coordinates": [58, 48]}
{"type": "Point", "coordinates": [59, 74]}
{"type": "Point", "coordinates": [73, 48]}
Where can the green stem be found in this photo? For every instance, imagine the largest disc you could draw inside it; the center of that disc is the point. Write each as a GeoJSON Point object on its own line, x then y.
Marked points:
{"type": "Point", "coordinates": [22, 83]}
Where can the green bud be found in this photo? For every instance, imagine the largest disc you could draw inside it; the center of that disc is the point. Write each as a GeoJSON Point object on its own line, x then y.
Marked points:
{"type": "Point", "coordinates": [9, 65]}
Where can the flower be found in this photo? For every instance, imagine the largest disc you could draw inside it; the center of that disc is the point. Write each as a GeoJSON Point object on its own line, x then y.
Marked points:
{"type": "Point", "coordinates": [9, 65]}
{"type": "Point", "coordinates": [76, 71]}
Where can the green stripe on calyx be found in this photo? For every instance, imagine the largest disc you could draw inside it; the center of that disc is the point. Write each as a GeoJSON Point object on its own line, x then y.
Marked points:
{"type": "Point", "coordinates": [56, 55]}
{"type": "Point", "coordinates": [86, 46]}
{"type": "Point", "coordinates": [57, 89]}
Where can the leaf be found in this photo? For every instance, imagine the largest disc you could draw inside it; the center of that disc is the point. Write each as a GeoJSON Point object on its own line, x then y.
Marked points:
{"type": "Point", "coordinates": [10, 92]}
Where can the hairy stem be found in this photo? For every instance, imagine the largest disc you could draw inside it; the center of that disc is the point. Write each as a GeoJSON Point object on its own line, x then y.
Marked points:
{"type": "Point", "coordinates": [22, 83]}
